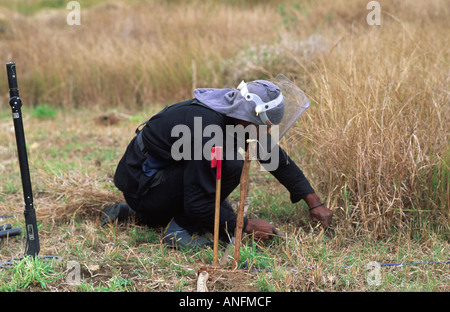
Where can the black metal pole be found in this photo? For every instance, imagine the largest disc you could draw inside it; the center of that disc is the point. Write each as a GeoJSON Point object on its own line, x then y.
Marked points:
{"type": "Point", "coordinates": [29, 212]}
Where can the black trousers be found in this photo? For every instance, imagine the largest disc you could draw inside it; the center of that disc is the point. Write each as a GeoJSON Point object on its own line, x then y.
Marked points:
{"type": "Point", "coordinates": [165, 200]}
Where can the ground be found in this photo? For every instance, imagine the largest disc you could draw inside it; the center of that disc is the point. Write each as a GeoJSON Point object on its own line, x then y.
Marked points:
{"type": "Point", "coordinates": [72, 174]}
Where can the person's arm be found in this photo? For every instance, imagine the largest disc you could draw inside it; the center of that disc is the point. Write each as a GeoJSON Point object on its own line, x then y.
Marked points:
{"type": "Point", "coordinates": [318, 210]}
{"type": "Point", "coordinates": [290, 175]}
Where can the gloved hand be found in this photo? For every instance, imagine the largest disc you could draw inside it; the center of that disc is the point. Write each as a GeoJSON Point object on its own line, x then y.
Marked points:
{"type": "Point", "coordinates": [118, 211]}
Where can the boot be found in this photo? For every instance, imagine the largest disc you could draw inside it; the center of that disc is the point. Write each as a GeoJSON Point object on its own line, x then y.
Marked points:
{"type": "Point", "coordinates": [119, 211]}
{"type": "Point", "coordinates": [178, 237]}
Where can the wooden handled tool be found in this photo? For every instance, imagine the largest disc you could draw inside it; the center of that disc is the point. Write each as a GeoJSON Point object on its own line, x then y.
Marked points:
{"type": "Point", "coordinates": [216, 162]}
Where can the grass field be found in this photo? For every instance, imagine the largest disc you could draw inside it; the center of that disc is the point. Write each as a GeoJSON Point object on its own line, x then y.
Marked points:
{"type": "Point", "coordinates": [374, 143]}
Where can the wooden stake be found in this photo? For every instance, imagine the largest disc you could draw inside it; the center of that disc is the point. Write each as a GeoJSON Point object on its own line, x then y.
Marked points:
{"type": "Point", "coordinates": [240, 217]}
{"type": "Point", "coordinates": [216, 223]}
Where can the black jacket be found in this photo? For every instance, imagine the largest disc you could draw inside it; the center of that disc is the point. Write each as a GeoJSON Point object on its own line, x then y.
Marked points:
{"type": "Point", "coordinates": [199, 177]}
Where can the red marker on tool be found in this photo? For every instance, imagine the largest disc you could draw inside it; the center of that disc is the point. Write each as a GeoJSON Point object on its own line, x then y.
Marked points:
{"type": "Point", "coordinates": [216, 162]}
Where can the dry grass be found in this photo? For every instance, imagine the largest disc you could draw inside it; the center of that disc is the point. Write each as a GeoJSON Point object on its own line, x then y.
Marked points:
{"type": "Point", "coordinates": [375, 141]}
{"type": "Point", "coordinates": [128, 54]}
{"type": "Point", "coordinates": [380, 129]}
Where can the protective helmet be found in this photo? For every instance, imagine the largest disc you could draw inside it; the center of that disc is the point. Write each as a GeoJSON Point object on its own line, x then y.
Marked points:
{"type": "Point", "coordinates": [271, 111]}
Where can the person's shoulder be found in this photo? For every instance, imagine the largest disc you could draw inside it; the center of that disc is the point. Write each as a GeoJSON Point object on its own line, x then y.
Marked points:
{"type": "Point", "coordinates": [197, 109]}
{"type": "Point", "coordinates": [190, 111]}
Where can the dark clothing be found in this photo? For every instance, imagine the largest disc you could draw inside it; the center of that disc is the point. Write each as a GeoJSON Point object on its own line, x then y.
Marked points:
{"type": "Point", "coordinates": [185, 189]}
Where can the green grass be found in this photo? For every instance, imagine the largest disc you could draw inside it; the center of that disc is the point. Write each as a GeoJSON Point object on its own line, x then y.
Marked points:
{"type": "Point", "coordinates": [30, 273]}
{"type": "Point", "coordinates": [44, 111]}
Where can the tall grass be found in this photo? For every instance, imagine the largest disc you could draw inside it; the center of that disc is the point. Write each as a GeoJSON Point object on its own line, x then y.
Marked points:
{"type": "Point", "coordinates": [375, 141]}
{"type": "Point", "coordinates": [128, 54]}
{"type": "Point", "coordinates": [380, 128]}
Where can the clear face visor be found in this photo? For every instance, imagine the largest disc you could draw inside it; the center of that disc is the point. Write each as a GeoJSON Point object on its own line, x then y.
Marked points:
{"type": "Point", "coordinates": [295, 102]}
{"type": "Point", "coordinates": [261, 106]}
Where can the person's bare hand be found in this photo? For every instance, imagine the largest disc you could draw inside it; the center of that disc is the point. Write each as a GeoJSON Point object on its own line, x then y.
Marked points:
{"type": "Point", "coordinates": [261, 229]}
{"type": "Point", "coordinates": [321, 214]}
{"type": "Point", "coordinates": [318, 211]}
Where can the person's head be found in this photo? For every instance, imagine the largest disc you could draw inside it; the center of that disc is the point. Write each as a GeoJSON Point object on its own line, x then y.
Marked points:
{"type": "Point", "coordinates": [259, 102]}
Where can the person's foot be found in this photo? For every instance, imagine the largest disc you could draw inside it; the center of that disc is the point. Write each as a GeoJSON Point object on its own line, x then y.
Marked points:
{"type": "Point", "coordinates": [178, 237]}
{"type": "Point", "coordinates": [118, 211]}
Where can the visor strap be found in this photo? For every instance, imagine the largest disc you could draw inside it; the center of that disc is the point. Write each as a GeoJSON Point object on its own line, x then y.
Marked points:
{"type": "Point", "coordinates": [261, 106]}
{"type": "Point", "coordinates": [265, 119]}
